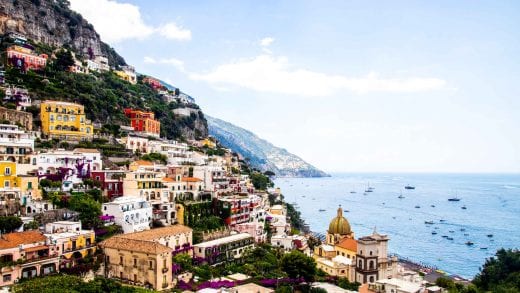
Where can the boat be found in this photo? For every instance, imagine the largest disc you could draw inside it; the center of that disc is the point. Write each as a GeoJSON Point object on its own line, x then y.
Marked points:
{"type": "Point", "coordinates": [321, 210]}
{"type": "Point", "coordinates": [450, 238]}
{"type": "Point", "coordinates": [364, 193]}
{"type": "Point", "coordinates": [445, 236]}
{"type": "Point", "coordinates": [462, 229]}
{"type": "Point", "coordinates": [369, 189]}
{"type": "Point", "coordinates": [464, 207]}
{"type": "Point", "coordinates": [346, 211]}
{"type": "Point", "coordinates": [432, 205]}
{"type": "Point", "coordinates": [434, 232]}
{"type": "Point", "coordinates": [483, 248]}
{"type": "Point", "coordinates": [451, 231]}
{"type": "Point", "coordinates": [400, 195]}
{"type": "Point", "coordinates": [453, 199]}
{"type": "Point", "coordinates": [442, 220]}
{"type": "Point", "coordinates": [428, 222]}
{"type": "Point", "coordinates": [353, 191]}
{"type": "Point", "coordinates": [469, 243]}
{"type": "Point", "coordinates": [466, 234]}
{"type": "Point", "coordinates": [417, 207]}
{"type": "Point", "coordinates": [490, 235]}
{"type": "Point", "coordinates": [409, 187]}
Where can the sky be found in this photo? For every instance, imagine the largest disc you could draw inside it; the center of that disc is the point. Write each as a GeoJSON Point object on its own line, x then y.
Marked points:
{"type": "Point", "coordinates": [349, 86]}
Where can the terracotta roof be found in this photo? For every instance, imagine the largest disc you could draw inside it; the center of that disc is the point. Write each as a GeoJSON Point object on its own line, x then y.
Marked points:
{"type": "Point", "coordinates": [190, 179]}
{"type": "Point", "coordinates": [156, 233]}
{"type": "Point", "coordinates": [348, 244]}
{"type": "Point", "coordinates": [135, 245]}
{"type": "Point", "coordinates": [168, 179]}
{"type": "Point", "coordinates": [11, 240]}
{"type": "Point", "coordinates": [144, 163]}
{"type": "Point", "coordinates": [36, 248]}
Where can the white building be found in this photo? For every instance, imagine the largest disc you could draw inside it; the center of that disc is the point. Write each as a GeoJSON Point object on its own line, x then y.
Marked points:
{"type": "Point", "coordinates": [394, 285]}
{"type": "Point", "coordinates": [19, 96]}
{"type": "Point", "coordinates": [100, 63]}
{"type": "Point", "coordinates": [177, 153]}
{"type": "Point", "coordinates": [70, 166]}
{"type": "Point", "coordinates": [224, 249]}
{"type": "Point", "coordinates": [132, 213]}
{"type": "Point", "coordinates": [15, 144]}
{"type": "Point", "coordinates": [372, 261]}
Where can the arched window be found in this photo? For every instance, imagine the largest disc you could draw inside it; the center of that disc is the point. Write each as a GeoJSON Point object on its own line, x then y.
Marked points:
{"type": "Point", "coordinates": [370, 252]}
{"type": "Point", "coordinates": [371, 280]}
{"type": "Point", "coordinates": [360, 264]}
{"type": "Point", "coordinates": [371, 264]}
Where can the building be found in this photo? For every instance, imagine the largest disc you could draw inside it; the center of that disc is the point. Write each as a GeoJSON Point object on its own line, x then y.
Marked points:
{"type": "Point", "coordinates": [111, 182]}
{"type": "Point", "coordinates": [153, 82]}
{"type": "Point", "coordinates": [26, 255]}
{"type": "Point", "coordinates": [393, 285]}
{"type": "Point", "coordinates": [17, 117]}
{"type": "Point", "coordinates": [24, 58]}
{"type": "Point", "coordinates": [65, 121]}
{"type": "Point", "coordinates": [99, 63]}
{"type": "Point", "coordinates": [18, 96]}
{"type": "Point", "coordinates": [131, 213]}
{"type": "Point", "coordinates": [337, 256]}
{"type": "Point", "coordinates": [373, 262]}
{"type": "Point", "coordinates": [71, 241]}
{"type": "Point", "coordinates": [178, 238]}
{"type": "Point", "coordinates": [69, 167]}
{"type": "Point", "coordinates": [15, 145]}
{"type": "Point", "coordinates": [226, 249]}
{"type": "Point", "coordinates": [144, 122]}
{"type": "Point", "coordinates": [138, 262]}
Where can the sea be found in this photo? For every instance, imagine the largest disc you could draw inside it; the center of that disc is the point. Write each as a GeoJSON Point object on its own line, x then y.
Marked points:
{"type": "Point", "coordinates": [490, 220]}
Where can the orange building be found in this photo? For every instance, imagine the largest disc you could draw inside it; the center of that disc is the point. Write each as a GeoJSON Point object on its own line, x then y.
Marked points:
{"type": "Point", "coordinates": [24, 58]}
{"type": "Point", "coordinates": [154, 83]}
{"type": "Point", "coordinates": [143, 121]}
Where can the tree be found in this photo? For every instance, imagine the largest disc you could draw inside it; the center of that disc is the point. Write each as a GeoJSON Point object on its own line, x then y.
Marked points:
{"type": "Point", "coordinates": [298, 265]}
{"type": "Point", "coordinates": [89, 210]}
{"type": "Point", "coordinates": [155, 157]}
{"type": "Point", "coordinates": [260, 181]}
{"type": "Point", "coordinates": [500, 273]}
{"type": "Point", "coordinates": [184, 260]}
{"type": "Point", "coordinates": [269, 173]}
{"type": "Point", "coordinates": [63, 60]}
{"type": "Point", "coordinates": [10, 223]}
{"type": "Point", "coordinates": [33, 225]}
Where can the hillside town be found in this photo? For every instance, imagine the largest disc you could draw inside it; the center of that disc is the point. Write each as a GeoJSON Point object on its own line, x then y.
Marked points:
{"type": "Point", "coordinates": [120, 200]}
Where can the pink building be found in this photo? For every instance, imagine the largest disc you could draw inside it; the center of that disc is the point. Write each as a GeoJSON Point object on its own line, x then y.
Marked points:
{"type": "Point", "coordinates": [255, 229]}
{"type": "Point", "coordinates": [26, 255]}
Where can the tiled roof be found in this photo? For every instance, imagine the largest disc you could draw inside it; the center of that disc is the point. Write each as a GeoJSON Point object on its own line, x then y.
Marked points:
{"type": "Point", "coordinates": [153, 234]}
{"type": "Point", "coordinates": [135, 245]}
{"type": "Point", "coordinates": [11, 240]}
{"type": "Point", "coordinates": [348, 244]}
{"type": "Point", "coordinates": [190, 179]}
{"type": "Point", "coordinates": [168, 179]}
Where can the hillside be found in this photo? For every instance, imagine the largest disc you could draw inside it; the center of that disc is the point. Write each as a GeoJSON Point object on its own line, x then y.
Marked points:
{"type": "Point", "coordinates": [261, 154]}
{"type": "Point", "coordinates": [54, 24]}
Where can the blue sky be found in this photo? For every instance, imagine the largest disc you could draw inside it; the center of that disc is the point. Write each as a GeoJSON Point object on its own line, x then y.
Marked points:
{"type": "Point", "coordinates": [401, 86]}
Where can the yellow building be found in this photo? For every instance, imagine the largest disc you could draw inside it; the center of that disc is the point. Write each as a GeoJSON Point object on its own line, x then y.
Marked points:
{"type": "Point", "coordinates": [207, 142]}
{"type": "Point", "coordinates": [8, 174]}
{"type": "Point", "coordinates": [28, 185]}
{"type": "Point", "coordinates": [71, 240]}
{"type": "Point", "coordinates": [128, 76]}
{"type": "Point", "coordinates": [337, 257]}
{"type": "Point", "coordinates": [65, 120]}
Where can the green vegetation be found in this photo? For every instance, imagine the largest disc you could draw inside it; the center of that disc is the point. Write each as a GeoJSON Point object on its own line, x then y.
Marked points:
{"type": "Point", "coordinates": [155, 157]}
{"type": "Point", "coordinates": [88, 208]}
{"type": "Point", "coordinates": [298, 265]}
{"type": "Point", "coordinates": [260, 181]}
{"type": "Point", "coordinates": [9, 224]}
{"type": "Point", "coordinates": [73, 284]}
{"type": "Point", "coordinates": [500, 273]}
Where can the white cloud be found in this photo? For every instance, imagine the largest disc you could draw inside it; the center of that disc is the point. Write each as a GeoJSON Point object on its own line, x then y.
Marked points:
{"type": "Point", "coordinates": [174, 32]}
{"type": "Point", "coordinates": [267, 73]}
{"type": "Point", "coordinates": [265, 42]}
{"type": "Point", "coordinates": [179, 64]}
{"type": "Point", "coordinates": [116, 22]}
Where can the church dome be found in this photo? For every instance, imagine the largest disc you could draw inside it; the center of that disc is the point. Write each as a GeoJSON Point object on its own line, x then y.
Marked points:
{"type": "Point", "coordinates": [339, 225]}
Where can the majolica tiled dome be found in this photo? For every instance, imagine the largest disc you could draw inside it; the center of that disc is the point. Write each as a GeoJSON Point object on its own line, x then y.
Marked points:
{"type": "Point", "coordinates": [339, 225]}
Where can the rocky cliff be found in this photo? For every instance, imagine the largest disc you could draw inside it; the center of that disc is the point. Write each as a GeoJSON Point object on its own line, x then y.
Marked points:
{"type": "Point", "coordinates": [261, 154]}
{"type": "Point", "coordinates": [52, 22]}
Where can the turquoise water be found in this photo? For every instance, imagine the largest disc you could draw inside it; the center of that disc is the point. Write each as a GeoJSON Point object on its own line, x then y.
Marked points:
{"type": "Point", "coordinates": [492, 202]}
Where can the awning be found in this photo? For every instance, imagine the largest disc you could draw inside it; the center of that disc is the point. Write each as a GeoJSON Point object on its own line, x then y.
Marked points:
{"type": "Point", "coordinates": [36, 248]}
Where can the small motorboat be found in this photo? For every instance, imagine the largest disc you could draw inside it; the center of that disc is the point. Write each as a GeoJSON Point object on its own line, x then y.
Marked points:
{"type": "Point", "coordinates": [466, 234]}
{"type": "Point", "coordinates": [400, 196]}
{"type": "Point", "coordinates": [453, 199]}
{"type": "Point", "coordinates": [483, 248]}
{"type": "Point", "coordinates": [428, 222]}
{"type": "Point", "coordinates": [490, 235]}
{"type": "Point", "coordinates": [409, 187]}
{"type": "Point", "coordinates": [417, 207]}
{"type": "Point", "coordinates": [464, 207]}
{"type": "Point", "coordinates": [352, 191]}
{"type": "Point", "coordinates": [462, 229]}
{"type": "Point", "coordinates": [450, 238]}
{"type": "Point", "coordinates": [346, 211]}
{"type": "Point", "coordinates": [445, 236]}
{"type": "Point", "coordinates": [432, 205]}
{"type": "Point", "coordinates": [434, 232]}
{"type": "Point", "coordinates": [442, 220]}
{"type": "Point", "coordinates": [469, 243]}
{"type": "Point", "coordinates": [321, 210]}
{"type": "Point", "coordinates": [451, 231]}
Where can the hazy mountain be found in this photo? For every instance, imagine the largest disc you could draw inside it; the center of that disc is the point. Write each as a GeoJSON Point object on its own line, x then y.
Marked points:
{"type": "Point", "coordinates": [261, 153]}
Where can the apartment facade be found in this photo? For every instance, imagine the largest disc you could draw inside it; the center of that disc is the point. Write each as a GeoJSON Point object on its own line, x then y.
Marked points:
{"type": "Point", "coordinates": [144, 122]}
{"type": "Point", "coordinates": [65, 120]}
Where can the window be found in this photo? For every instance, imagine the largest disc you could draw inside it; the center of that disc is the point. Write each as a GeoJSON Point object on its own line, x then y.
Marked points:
{"type": "Point", "coordinates": [7, 171]}
{"type": "Point", "coordinates": [108, 258]}
{"type": "Point", "coordinates": [51, 127]}
{"type": "Point", "coordinates": [121, 260]}
{"type": "Point", "coordinates": [370, 252]}
{"type": "Point", "coordinates": [7, 278]}
{"type": "Point", "coordinates": [151, 265]}
{"type": "Point", "coordinates": [52, 118]}
{"type": "Point", "coordinates": [29, 185]}
{"type": "Point", "coordinates": [6, 184]}
{"type": "Point", "coordinates": [135, 277]}
{"type": "Point", "coordinates": [135, 262]}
